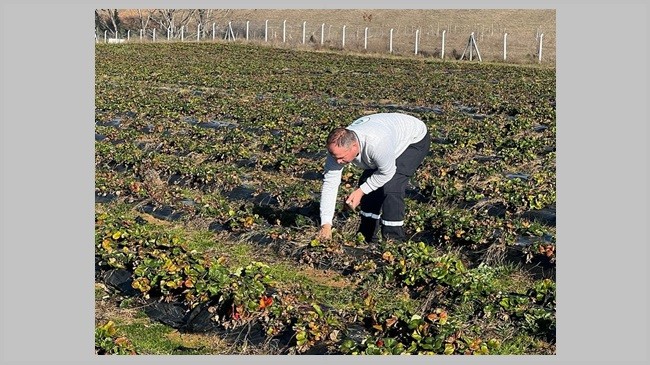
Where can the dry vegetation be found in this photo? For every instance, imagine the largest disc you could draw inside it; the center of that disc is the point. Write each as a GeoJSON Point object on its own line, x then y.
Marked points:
{"type": "Point", "coordinates": [523, 26]}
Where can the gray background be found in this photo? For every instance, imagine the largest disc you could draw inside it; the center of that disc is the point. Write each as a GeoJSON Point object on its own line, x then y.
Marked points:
{"type": "Point", "coordinates": [47, 202]}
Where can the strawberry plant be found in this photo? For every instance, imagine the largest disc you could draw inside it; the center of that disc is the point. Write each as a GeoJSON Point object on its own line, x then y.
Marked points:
{"type": "Point", "coordinates": [237, 148]}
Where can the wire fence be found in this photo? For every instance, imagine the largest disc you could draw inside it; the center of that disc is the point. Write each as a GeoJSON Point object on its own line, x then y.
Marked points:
{"type": "Point", "coordinates": [435, 41]}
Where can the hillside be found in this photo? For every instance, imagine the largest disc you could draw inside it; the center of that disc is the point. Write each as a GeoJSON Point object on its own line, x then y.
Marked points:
{"type": "Point", "coordinates": [524, 28]}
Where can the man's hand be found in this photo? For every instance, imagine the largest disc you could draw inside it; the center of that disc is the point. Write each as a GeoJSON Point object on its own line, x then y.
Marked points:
{"type": "Point", "coordinates": [325, 232]}
{"type": "Point", "coordinates": [354, 199]}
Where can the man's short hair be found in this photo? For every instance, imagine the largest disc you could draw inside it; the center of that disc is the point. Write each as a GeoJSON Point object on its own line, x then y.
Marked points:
{"type": "Point", "coordinates": [341, 137]}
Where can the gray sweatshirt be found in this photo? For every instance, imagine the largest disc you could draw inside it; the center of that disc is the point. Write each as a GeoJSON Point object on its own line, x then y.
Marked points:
{"type": "Point", "coordinates": [382, 138]}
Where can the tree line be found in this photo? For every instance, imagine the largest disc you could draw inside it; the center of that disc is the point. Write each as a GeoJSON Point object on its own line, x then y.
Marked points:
{"type": "Point", "coordinates": [119, 21]}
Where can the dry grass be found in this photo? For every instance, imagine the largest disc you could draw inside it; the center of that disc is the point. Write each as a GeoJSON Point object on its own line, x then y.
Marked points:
{"type": "Point", "coordinates": [524, 28]}
{"type": "Point", "coordinates": [107, 307]}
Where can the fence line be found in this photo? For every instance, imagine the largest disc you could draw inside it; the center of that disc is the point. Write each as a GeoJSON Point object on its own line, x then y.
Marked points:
{"type": "Point", "coordinates": [400, 41]}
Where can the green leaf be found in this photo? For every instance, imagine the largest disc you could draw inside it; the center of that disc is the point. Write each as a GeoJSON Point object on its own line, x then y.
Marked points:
{"type": "Point", "coordinates": [416, 335]}
{"type": "Point", "coordinates": [300, 336]}
{"type": "Point", "coordinates": [317, 309]}
{"type": "Point", "coordinates": [449, 349]}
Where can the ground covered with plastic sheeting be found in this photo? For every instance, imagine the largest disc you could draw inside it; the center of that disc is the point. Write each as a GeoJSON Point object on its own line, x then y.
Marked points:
{"type": "Point", "coordinates": [207, 188]}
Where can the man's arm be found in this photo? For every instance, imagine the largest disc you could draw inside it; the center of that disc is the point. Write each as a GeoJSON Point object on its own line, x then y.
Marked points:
{"type": "Point", "coordinates": [329, 190]}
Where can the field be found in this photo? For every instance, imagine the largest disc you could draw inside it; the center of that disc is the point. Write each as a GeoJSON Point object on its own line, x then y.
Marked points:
{"type": "Point", "coordinates": [208, 159]}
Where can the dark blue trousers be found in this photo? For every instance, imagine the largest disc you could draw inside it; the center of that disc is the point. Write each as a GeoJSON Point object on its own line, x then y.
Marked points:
{"type": "Point", "coordinates": [385, 206]}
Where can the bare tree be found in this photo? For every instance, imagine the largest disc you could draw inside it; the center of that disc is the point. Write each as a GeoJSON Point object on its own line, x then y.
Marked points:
{"type": "Point", "coordinates": [202, 18]}
{"type": "Point", "coordinates": [108, 19]}
{"type": "Point", "coordinates": [144, 17]}
{"type": "Point", "coordinates": [206, 16]}
{"type": "Point", "coordinates": [172, 19]}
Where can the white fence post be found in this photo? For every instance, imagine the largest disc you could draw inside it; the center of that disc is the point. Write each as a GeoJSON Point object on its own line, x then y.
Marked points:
{"type": "Point", "coordinates": [442, 53]}
{"type": "Point", "coordinates": [105, 36]}
{"type": "Point", "coordinates": [365, 39]}
{"type": "Point", "coordinates": [322, 34]}
{"type": "Point", "coordinates": [478, 53]}
{"type": "Point", "coordinates": [230, 35]}
{"type": "Point", "coordinates": [284, 31]}
{"type": "Point", "coordinates": [471, 46]}
{"type": "Point", "coordinates": [541, 37]}
{"type": "Point", "coordinates": [417, 35]}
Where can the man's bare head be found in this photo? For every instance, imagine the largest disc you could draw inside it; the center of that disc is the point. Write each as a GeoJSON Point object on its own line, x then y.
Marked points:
{"type": "Point", "coordinates": [342, 145]}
